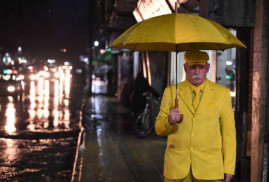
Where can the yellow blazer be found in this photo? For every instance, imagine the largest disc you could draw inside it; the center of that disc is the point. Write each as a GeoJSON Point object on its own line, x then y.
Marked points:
{"type": "Point", "coordinates": [205, 140]}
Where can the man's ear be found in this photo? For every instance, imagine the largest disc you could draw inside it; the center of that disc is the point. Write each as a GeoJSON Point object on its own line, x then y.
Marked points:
{"type": "Point", "coordinates": [207, 67]}
{"type": "Point", "coordinates": [185, 67]}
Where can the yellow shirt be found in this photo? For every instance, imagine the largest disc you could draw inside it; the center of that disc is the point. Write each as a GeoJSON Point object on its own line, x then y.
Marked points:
{"type": "Point", "coordinates": [202, 86]}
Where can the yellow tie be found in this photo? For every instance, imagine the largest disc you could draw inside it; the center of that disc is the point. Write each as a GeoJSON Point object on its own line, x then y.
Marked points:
{"type": "Point", "coordinates": [196, 99]}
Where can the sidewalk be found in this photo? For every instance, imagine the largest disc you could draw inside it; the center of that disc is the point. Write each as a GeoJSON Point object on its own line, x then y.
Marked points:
{"type": "Point", "coordinates": [108, 149]}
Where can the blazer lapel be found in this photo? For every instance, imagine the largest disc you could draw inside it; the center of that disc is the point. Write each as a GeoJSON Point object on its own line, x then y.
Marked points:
{"type": "Point", "coordinates": [206, 97]}
{"type": "Point", "coordinates": [184, 93]}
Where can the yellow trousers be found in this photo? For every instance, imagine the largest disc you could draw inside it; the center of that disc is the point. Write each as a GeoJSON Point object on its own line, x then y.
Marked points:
{"type": "Point", "coordinates": [190, 178]}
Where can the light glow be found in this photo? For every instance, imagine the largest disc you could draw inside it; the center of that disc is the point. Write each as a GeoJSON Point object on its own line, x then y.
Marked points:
{"type": "Point", "coordinates": [229, 62]}
{"type": "Point", "coordinates": [10, 114]}
{"type": "Point", "coordinates": [96, 43]}
{"type": "Point", "coordinates": [11, 89]}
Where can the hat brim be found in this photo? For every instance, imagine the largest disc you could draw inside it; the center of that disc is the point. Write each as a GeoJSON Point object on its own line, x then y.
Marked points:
{"type": "Point", "coordinates": [191, 64]}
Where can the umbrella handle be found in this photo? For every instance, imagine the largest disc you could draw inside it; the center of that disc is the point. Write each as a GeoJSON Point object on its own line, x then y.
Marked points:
{"type": "Point", "coordinates": [180, 115]}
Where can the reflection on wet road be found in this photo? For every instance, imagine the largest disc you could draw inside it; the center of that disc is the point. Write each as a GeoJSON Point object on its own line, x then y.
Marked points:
{"type": "Point", "coordinates": [38, 133]}
{"type": "Point", "coordinates": [32, 160]}
{"type": "Point", "coordinates": [44, 107]}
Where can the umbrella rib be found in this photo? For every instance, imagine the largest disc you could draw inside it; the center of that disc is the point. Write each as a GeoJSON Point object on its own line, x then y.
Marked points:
{"type": "Point", "coordinates": [220, 47]}
{"type": "Point", "coordinates": [135, 46]}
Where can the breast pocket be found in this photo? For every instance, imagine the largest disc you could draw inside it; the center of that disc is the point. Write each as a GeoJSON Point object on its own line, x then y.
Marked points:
{"type": "Point", "coordinates": [212, 111]}
{"type": "Point", "coordinates": [212, 105]}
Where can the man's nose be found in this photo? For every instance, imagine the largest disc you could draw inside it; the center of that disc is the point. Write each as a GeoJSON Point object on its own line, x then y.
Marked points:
{"type": "Point", "coordinates": [197, 70]}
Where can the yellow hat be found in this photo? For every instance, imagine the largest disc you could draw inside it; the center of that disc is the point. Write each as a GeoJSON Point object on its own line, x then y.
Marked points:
{"type": "Point", "coordinates": [196, 57]}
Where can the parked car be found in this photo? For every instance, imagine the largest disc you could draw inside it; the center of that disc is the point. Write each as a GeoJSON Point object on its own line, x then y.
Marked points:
{"type": "Point", "coordinates": [10, 85]}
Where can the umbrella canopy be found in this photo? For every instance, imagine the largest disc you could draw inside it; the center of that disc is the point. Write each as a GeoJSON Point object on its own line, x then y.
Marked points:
{"type": "Point", "coordinates": [176, 32]}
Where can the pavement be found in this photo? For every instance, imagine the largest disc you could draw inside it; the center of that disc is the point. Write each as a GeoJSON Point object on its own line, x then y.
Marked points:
{"type": "Point", "coordinates": [108, 149]}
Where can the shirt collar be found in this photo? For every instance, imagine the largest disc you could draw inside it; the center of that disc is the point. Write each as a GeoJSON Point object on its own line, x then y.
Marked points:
{"type": "Point", "coordinates": [202, 86]}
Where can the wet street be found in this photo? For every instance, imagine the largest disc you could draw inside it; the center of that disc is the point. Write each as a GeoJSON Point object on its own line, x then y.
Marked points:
{"type": "Point", "coordinates": [32, 160]}
{"type": "Point", "coordinates": [38, 134]}
{"type": "Point", "coordinates": [57, 133]}
{"type": "Point", "coordinates": [109, 150]}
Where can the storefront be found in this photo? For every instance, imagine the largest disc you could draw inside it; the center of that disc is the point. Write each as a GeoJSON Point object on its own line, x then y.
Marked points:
{"type": "Point", "coordinates": [243, 71]}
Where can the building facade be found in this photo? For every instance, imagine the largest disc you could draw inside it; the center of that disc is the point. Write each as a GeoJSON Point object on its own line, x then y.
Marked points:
{"type": "Point", "coordinates": [244, 71]}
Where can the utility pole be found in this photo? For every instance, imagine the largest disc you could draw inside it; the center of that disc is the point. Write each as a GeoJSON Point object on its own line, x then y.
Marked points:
{"type": "Point", "coordinates": [90, 46]}
{"type": "Point", "coordinates": [259, 94]}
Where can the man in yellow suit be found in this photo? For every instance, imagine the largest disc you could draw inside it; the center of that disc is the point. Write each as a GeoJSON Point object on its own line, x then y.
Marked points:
{"type": "Point", "coordinates": [201, 145]}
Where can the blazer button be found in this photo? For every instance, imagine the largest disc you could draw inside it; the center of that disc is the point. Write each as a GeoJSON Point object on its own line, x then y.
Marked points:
{"type": "Point", "coordinates": [194, 119]}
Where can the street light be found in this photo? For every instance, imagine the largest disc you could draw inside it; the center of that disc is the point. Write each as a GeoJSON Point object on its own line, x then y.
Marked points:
{"type": "Point", "coordinates": [96, 43]}
{"type": "Point", "coordinates": [19, 49]}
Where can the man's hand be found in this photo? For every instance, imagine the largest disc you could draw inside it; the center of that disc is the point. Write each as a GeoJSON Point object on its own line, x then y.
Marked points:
{"type": "Point", "coordinates": [227, 177]}
{"type": "Point", "coordinates": [174, 116]}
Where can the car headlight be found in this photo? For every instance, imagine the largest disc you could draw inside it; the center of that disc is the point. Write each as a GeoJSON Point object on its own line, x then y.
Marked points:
{"type": "Point", "coordinates": [56, 75]}
{"type": "Point", "coordinates": [20, 77]}
{"type": "Point", "coordinates": [47, 74]}
{"type": "Point", "coordinates": [33, 77]}
{"type": "Point", "coordinates": [11, 88]}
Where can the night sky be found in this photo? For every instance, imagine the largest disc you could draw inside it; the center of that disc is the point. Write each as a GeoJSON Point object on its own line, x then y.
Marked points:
{"type": "Point", "coordinates": [43, 27]}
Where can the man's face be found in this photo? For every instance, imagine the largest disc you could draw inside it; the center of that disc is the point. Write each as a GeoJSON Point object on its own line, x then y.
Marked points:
{"type": "Point", "coordinates": [196, 74]}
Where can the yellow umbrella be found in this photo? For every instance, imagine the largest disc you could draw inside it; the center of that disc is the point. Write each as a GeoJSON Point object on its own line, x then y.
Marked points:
{"type": "Point", "coordinates": [176, 32]}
